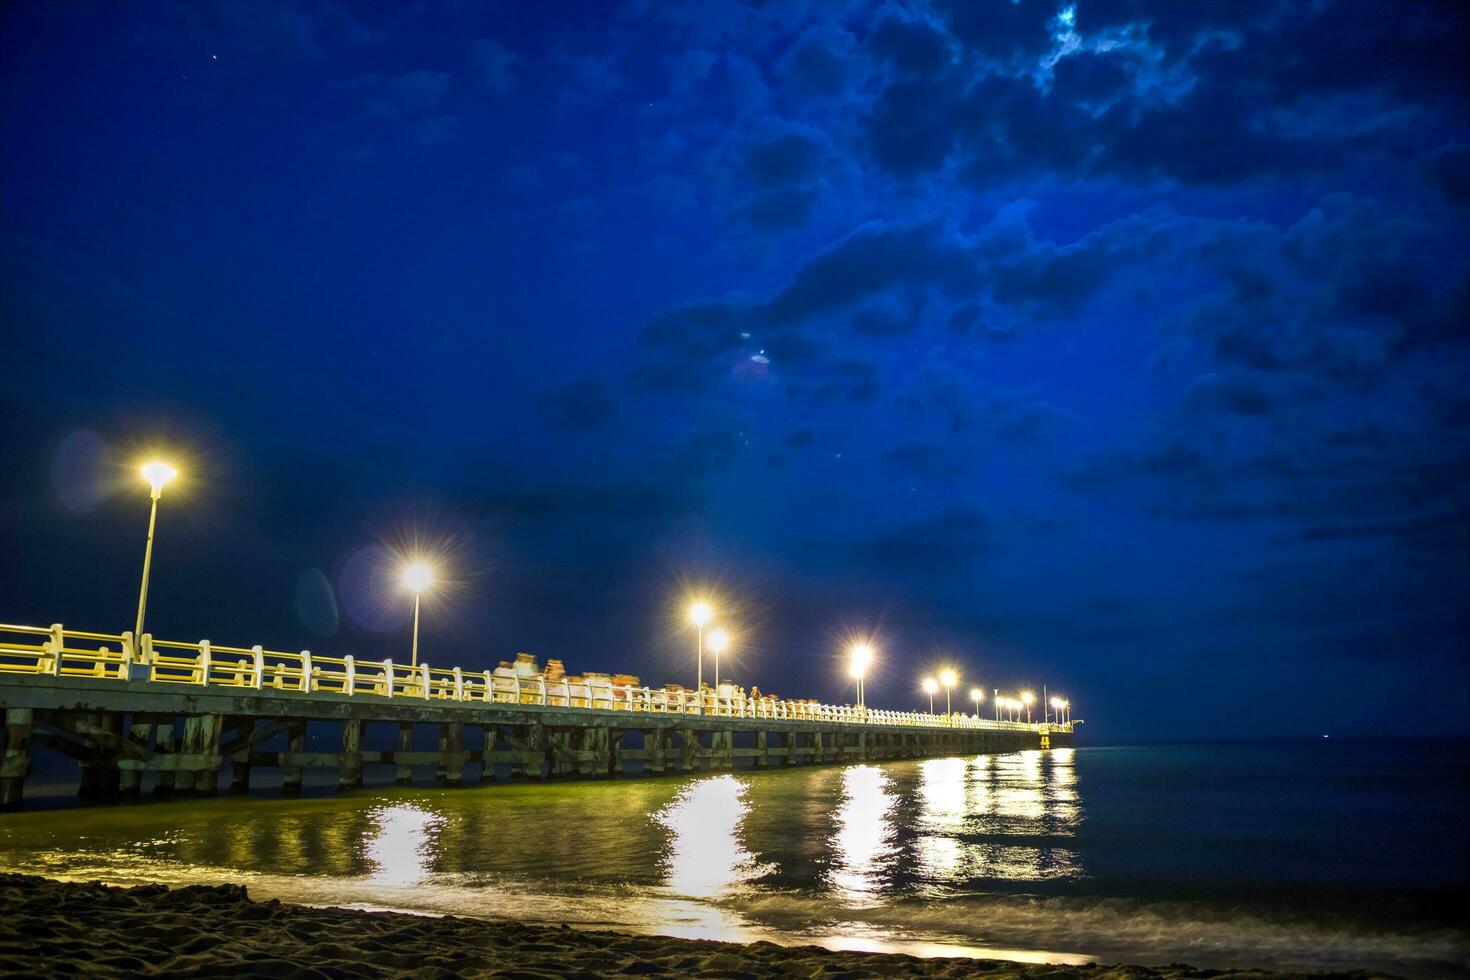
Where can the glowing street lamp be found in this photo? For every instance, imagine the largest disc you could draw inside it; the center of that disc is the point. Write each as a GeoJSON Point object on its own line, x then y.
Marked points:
{"type": "Point", "coordinates": [417, 576]}
{"type": "Point", "coordinates": [700, 614]}
{"type": "Point", "coordinates": [719, 640]}
{"type": "Point", "coordinates": [859, 657]}
{"type": "Point", "coordinates": [977, 696]}
{"type": "Point", "coordinates": [930, 686]}
{"type": "Point", "coordinates": [1027, 698]}
{"type": "Point", "coordinates": [1056, 707]}
{"type": "Point", "coordinates": [948, 679]}
{"type": "Point", "coordinates": [159, 475]}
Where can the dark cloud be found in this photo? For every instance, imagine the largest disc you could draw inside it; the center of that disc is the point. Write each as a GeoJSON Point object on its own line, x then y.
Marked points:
{"type": "Point", "coordinates": [910, 46]}
{"type": "Point", "coordinates": [869, 261]}
{"type": "Point", "coordinates": [788, 158]}
{"type": "Point", "coordinates": [924, 459]}
{"type": "Point", "coordinates": [1234, 393]}
{"type": "Point", "coordinates": [497, 66]}
{"type": "Point", "coordinates": [931, 549]}
{"type": "Point", "coordinates": [582, 404]}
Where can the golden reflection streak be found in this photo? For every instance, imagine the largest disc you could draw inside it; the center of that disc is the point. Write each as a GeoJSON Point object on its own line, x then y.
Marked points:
{"type": "Point", "coordinates": [862, 842]}
{"type": "Point", "coordinates": [1021, 795]}
{"type": "Point", "coordinates": [706, 857]}
{"type": "Point", "coordinates": [401, 848]}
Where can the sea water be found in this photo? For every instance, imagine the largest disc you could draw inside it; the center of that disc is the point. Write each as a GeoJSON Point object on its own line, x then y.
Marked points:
{"type": "Point", "coordinates": [1291, 855]}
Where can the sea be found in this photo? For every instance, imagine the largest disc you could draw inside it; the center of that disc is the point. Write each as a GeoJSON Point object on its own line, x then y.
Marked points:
{"type": "Point", "coordinates": [1311, 854]}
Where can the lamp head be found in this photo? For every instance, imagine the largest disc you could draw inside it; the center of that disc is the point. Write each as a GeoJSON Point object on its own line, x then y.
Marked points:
{"type": "Point", "coordinates": [417, 576]}
{"type": "Point", "coordinates": [977, 695]}
{"type": "Point", "coordinates": [930, 685]}
{"type": "Point", "coordinates": [1027, 698]}
{"type": "Point", "coordinates": [717, 641]}
{"type": "Point", "coordinates": [700, 614]}
{"type": "Point", "coordinates": [1056, 702]}
{"type": "Point", "coordinates": [948, 678]}
{"type": "Point", "coordinates": [861, 655]}
{"type": "Point", "coordinates": [158, 474]}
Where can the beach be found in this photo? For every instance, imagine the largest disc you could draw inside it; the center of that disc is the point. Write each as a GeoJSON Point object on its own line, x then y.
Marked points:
{"type": "Point", "coordinates": [53, 927]}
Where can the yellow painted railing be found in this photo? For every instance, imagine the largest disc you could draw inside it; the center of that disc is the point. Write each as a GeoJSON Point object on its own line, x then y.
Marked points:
{"type": "Point", "coordinates": [58, 651]}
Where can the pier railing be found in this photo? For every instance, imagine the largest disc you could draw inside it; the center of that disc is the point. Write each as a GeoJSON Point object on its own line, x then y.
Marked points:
{"type": "Point", "coordinates": [62, 652]}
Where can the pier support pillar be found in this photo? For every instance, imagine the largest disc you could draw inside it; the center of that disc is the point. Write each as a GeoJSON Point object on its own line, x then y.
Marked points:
{"type": "Point", "coordinates": [349, 765]}
{"type": "Point", "coordinates": [130, 780]}
{"type": "Point", "coordinates": [205, 749]}
{"type": "Point", "coordinates": [615, 738]}
{"type": "Point", "coordinates": [788, 742]}
{"type": "Point", "coordinates": [450, 770]}
{"type": "Point", "coordinates": [295, 745]}
{"type": "Point", "coordinates": [722, 749]}
{"type": "Point", "coordinates": [16, 761]}
{"type": "Point", "coordinates": [403, 775]}
{"type": "Point", "coordinates": [688, 749]}
{"type": "Point", "coordinates": [655, 751]}
{"type": "Point", "coordinates": [188, 753]}
{"type": "Point", "coordinates": [762, 753]}
{"type": "Point", "coordinates": [240, 760]}
{"type": "Point", "coordinates": [165, 741]}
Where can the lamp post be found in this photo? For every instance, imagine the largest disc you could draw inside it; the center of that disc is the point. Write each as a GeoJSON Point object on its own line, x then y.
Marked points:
{"type": "Point", "coordinates": [700, 614]}
{"type": "Point", "coordinates": [719, 640]}
{"type": "Point", "coordinates": [995, 701]}
{"type": "Point", "coordinates": [417, 576]}
{"type": "Point", "coordinates": [858, 659]}
{"type": "Point", "coordinates": [1027, 698]}
{"type": "Point", "coordinates": [158, 475]}
{"type": "Point", "coordinates": [948, 679]}
{"type": "Point", "coordinates": [977, 696]}
{"type": "Point", "coordinates": [1056, 707]}
{"type": "Point", "coordinates": [930, 686]}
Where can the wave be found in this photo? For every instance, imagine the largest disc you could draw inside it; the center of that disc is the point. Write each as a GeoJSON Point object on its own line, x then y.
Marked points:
{"type": "Point", "coordinates": [1002, 926]}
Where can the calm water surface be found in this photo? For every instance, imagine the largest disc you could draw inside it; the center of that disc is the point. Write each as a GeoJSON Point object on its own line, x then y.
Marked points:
{"type": "Point", "coordinates": [1288, 855]}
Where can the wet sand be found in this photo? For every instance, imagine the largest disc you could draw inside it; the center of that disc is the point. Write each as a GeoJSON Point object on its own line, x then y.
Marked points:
{"type": "Point", "coordinates": [50, 928]}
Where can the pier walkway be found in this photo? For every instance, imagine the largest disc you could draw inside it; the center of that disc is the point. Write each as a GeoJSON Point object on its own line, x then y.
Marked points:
{"type": "Point", "coordinates": [180, 711]}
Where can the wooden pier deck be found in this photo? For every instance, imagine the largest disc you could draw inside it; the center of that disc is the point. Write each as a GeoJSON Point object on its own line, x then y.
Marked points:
{"type": "Point", "coordinates": [180, 714]}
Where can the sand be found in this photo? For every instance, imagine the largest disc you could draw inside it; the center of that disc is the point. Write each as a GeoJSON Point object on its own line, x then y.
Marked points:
{"type": "Point", "coordinates": [50, 928]}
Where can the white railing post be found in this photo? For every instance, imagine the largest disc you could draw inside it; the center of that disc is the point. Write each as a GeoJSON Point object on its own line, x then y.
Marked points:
{"type": "Point", "coordinates": [145, 647]}
{"type": "Point", "coordinates": [424, 678]}
{"type": "Point", "coordinates": [388, 675]}
{"type": "Point", "coordinates": [306, 671]}
{"type": "Point", "coordinates": [349, 683]}
{"type": "Point", "coordinates": [128, 653]}
{"type": "Point", "coordinates": [54, 645]}
{"type": "Point", "coordinates": [257, 667]}
{"type": "Point", "coordinates": [204, 661]}
{"type": "Point", "coordinates": [458, 685]}
{"type": "Point", "coordinates": [489, 688]}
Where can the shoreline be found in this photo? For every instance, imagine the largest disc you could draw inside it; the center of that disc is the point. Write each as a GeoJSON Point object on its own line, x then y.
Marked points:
{"type": "Point", "coordinates": [211, 930]}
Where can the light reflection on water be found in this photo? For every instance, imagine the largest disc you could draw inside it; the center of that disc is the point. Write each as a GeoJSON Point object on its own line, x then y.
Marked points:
{"type": "Point", "coordinates": [401, 850]}
{"type": "Point", "coordinates": [706, 855]}
{"type": "Point", "coordinates": [980, 855]}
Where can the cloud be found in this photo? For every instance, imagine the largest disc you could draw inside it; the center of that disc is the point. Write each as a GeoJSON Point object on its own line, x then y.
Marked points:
{"type": "Point", "coordinates": [931, 549]}
{"type": "Point", "coordinates": [911, 46]}
{"type": "Point", "coordinates": [584, 404]}
{"type": "Point", "coordinates": [497, 66]}
{"type": "Point", "coordinates": [924, 459]}
{"type": "Point", "coordinates": [1234, 393]}
{"type": "Point", "coordinates": [410, 93]}
{"type": "Point", "coordinates": [869, 261]}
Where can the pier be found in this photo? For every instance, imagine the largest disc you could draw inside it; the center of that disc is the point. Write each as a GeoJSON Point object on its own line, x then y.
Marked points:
{"type": "Point", "coordinates": [180, 714]}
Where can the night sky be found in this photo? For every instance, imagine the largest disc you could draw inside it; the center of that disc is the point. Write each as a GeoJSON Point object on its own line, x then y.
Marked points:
{"type": "Point", "coordinates": [1120, 347]}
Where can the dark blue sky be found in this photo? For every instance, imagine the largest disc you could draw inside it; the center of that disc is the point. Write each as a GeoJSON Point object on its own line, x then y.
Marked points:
{"type": "Point", "coordinates": [1119, 346]}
